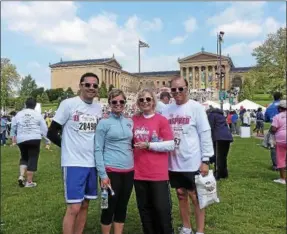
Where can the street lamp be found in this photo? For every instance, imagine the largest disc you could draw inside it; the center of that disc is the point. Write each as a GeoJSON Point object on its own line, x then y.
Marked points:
{"type": "Point", "coordinates": [219, 72]}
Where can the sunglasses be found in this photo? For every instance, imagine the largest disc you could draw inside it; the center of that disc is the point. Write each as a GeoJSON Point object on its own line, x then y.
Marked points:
{"type": "Point", "coordinates": [148, 99]}
{"type": "Point", "coordinates": [89, 85]}
{"type": "Point", "coordinates": [180, 89]}
{"type": "Point", "coordinates": [121, 102]}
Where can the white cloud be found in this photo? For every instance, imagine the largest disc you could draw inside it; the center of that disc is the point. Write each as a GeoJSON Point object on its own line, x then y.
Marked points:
{"type": "Point", "coordinates": [239, 29]}
{"type": "Point", "coordinates": [33, 64]}
{"type": "Point", "coordinates": [241, 49]}
{"type": "Point", "coordinates": [238, 11]}
{"type": "Point", "coordinates": [243, 20]}
{"type": "Point", "coordinates": [190, 25]}
{"type": "Point", "coordinates": [178, 40]}
{"type": "Point", "coordinates": [57, 26]}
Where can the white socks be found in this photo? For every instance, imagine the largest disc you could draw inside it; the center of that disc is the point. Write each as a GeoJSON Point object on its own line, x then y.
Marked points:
{"type": "Point", "coordinates": [199, 233]}
{"type": "Point", "coordinates": [23, 169]}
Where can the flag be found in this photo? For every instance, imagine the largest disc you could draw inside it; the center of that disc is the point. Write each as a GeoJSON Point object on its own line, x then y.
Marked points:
{"type": "Point", "coordinates": [143, 44]}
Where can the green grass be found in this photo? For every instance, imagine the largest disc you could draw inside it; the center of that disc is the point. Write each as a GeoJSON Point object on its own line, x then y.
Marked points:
{"type": "Point", "coordinates": [250, 202]}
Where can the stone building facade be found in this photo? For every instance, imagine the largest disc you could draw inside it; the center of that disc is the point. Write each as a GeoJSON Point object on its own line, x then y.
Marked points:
{"type": "Point", "coordinates": [199, 69]}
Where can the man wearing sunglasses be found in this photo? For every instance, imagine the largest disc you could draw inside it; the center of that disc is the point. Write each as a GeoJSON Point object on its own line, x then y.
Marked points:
{"type": "Point", "coordinates": [73, 129]}
{"type": "Point", "coordinates": [193, 148]}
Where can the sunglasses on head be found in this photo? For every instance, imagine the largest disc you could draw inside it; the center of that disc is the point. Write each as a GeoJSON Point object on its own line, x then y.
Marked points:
{"type": "Point", "coordinates": [89, 85]}
{"type": "Point", "coordinates": [148, 99]}
{"type": "Point", "coordinates": [179, 89]}
{"type": "Point", "coordinates": [115, 102]}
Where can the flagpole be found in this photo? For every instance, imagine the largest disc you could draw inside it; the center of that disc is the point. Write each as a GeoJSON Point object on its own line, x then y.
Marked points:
{"type": "Point", "coordinates": [139, 58]}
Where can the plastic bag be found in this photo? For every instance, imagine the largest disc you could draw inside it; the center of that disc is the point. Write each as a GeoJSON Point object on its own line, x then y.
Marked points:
{"type": "Point", "coordinates": [206, 189]}
{"type": "Point", "coordinates": [269, 140]}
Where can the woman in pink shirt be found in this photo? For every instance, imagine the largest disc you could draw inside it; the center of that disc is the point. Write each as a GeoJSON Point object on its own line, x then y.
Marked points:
{"type": "Point", "coordinates": [153, 139]}
{"type": "Point", "coordinates": [279, 128]}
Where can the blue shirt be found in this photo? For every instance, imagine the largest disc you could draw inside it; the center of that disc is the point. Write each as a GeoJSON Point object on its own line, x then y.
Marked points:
{"type": "Point", "coordinates": [234, 118]}
{"type": "Point", "coordinates": [113, 144]}
{"type": "Point", "coordinates": [271, 111]}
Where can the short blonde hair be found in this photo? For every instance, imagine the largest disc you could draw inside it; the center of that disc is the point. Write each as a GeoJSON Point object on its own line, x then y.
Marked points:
{"type": "Point", "coordinates": [116, 92]}
{"type": "Point", "coordinates": [150, 91]}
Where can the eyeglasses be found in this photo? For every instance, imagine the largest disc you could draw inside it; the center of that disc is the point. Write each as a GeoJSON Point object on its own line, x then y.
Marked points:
{"type": "Point", "coordinates": [89, 85]}
{"type": "Point", "coordinates": [121, 102]}
{"type": "Point", "coordinates": [148, 99]}
{"type": "Point", "coordinates": [180, 89]}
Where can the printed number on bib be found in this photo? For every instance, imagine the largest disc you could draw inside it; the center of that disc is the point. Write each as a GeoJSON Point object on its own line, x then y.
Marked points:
{"type": "Point", "coordinates": [176, 142]}
{"type": "Point", "coordinates": [87, 123]}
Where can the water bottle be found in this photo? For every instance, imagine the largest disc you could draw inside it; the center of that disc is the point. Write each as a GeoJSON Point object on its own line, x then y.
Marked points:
{"type": "Point", "coordinates": [105, 199]}
{"type": "Point", "coordinates": [154, 137]}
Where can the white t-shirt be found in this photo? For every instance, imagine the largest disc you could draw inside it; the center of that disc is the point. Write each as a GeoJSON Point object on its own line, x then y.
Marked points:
{"type": "Point", "coordinates": [160, 106]}
{"type": "Point", "coordinates": [188, 121]}
{"type": "Point", "coordinates": [27, 125]}
{"type": "Point", "coordinates": [79, 121]}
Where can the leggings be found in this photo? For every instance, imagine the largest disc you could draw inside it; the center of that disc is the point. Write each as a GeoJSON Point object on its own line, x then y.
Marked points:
{"type": "Point", "coordinates": [155, 206]}
{"type": "Point", "coordinates": [30, 151]}
{"type": "Point", "coordinates": [122, 184]}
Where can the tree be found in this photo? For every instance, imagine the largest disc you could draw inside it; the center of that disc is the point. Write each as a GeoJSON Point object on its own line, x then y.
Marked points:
{"type": "Point", "coordinates": [19, 103]}
{"type": "Point", "coordinates": [28, 84]}
{"type": "Point", "coordinates": [37, 92]}
{"type": "Point", "coordinates": [55, 94]}
{"type": "Point", "coordinates": [69, 92]}
{"type": "Point", "coordinates": [111, 87]}
{"type": "Point", "coordinates": [44, 98]}
{"type": "Point", "coordinates": [103, 92]}
{"type": "Point", "coordinates": [271, 62]}
{"type": "Point", "coordinates": [247, 90]}
{"type": "Point", "coordinates": [9, 80]}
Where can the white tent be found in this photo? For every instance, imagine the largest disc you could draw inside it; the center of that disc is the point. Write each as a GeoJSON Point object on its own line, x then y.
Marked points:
{"type": "Point", "coordinates": [226, 106]}
{"type": "Point", "coordinates": [211, 103]}
{"type": "Point", "coordinates": [248, 105]}
{"type": "Point", "coordinates": [38, 108]}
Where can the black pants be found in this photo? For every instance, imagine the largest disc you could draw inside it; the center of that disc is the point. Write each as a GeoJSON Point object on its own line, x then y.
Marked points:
{"type": "Point", "coordinates": [221, 149]}
{"type": "Point", "coordinates": [30, 151]}
{"type": "Point", "coordinates": [122, 184]}
{"type": "Point", "coordinates": [155, 206]}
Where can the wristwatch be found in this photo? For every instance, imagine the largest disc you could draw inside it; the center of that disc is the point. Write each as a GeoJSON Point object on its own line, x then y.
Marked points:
{"type": "Point", "coordinates": [205, 162]}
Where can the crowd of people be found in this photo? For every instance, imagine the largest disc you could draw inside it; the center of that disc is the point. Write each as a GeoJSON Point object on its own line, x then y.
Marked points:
{"type": "Point", "coordinates": [151, 145]}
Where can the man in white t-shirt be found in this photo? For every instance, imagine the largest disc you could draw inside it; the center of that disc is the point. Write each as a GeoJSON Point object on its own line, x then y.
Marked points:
{"type": "Point", "coordinates": [163, 102]}
{"type": "Point", "coordinates": [193, 148]}
{"type": "Point", "coordinates": [77, 119]}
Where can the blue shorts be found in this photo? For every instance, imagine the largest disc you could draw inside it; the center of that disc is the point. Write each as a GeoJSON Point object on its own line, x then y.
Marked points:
{"type": "Point", "coordinates": [80, 183]}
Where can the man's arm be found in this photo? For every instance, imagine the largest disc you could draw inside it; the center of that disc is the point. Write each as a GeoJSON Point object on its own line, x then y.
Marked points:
{"type": "Point", "coordinates": [60, 119]}
{"type": "Point", "coordinates": [54, 133]}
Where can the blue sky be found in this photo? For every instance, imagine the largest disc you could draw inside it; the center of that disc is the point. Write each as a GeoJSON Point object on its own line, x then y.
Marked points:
{"type": "Point", "coordinates": [34, 34]}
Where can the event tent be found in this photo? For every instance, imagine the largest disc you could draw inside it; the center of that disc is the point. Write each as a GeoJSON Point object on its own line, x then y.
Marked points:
{"type": "Point", "coordinates": [248, 105]}
{"type": "Point", "coordinates": [211, 103]}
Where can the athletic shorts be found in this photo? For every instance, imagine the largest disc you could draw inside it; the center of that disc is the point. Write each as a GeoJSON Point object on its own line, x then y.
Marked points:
{"type": "Point", "coordinates": [80, 183]}
{"type": "Point", "coordinates": [178, 179]}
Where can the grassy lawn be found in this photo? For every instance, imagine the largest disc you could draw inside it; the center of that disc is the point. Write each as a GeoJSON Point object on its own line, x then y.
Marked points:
{"type": "Point", "coordinates": [250, 201]}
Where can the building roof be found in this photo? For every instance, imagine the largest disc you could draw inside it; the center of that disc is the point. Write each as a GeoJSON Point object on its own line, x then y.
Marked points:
{"type": "Point", "coordinates": [158, 73]}
{"type": "Point", "coordinates": [80, 62]}
{"type": "Point", "coordinates": [241, 69]}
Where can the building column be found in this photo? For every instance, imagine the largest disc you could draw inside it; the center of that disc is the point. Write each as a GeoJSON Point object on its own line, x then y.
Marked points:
{"type": "Point", "coordinates": [206, 76]}
{"type": "Point", "coordinates": [213, 77]}
{"type": "Point", "coordinates": [187, 75]}
{"type": "Point", "coordinates": [193, 77]}
{"type": "Point", "coordinates": [227, 77]}
{"type": "Point", "coordinates": [181, 72]}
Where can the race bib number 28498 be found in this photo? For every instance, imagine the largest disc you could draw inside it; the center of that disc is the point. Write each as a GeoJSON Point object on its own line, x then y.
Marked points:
{"type": "Point", "coordinates": [87, 123]}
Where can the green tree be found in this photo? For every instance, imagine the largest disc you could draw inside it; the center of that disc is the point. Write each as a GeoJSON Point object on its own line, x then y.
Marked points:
{"type": "Point", "coordinates": [19, 103]}
{"type": "Point", "coordinates": [69, 92]}
{"type": "Point", "coordinates": [44, 98]}
{"type": "Point", "coordinates": [37, 92]}
{"type": "Point", "coordinates": [9, 80]}
{"type": "Point", "coordinates": [103, 92]}
{"type": "Point", "coordinates": [28, 84]}
{"type": "Point", "coordinates": [111, 87]}
{"type": "Point", "coordinates": [55, 94]}
{"type": "Point", "coordinates": [271, 62]}
{"type": "Point", "coordinates": [247, 90]}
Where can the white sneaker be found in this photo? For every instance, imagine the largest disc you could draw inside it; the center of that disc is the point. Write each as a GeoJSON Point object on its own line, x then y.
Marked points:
{"type": "Point", "coordinates": [21, 181]}
{"type": "Point", "coordinates": [280, 181]}
{"type": "Point", "coordinates": [30, 184]}
{"type": "Point", "coordinates": [184, 230]}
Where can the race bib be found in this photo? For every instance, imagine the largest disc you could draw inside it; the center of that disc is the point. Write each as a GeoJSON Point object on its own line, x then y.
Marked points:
{"type": "Point", "coordinates": [87, 123]}
{"type": "Point", "coordinates": [177, 136]}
